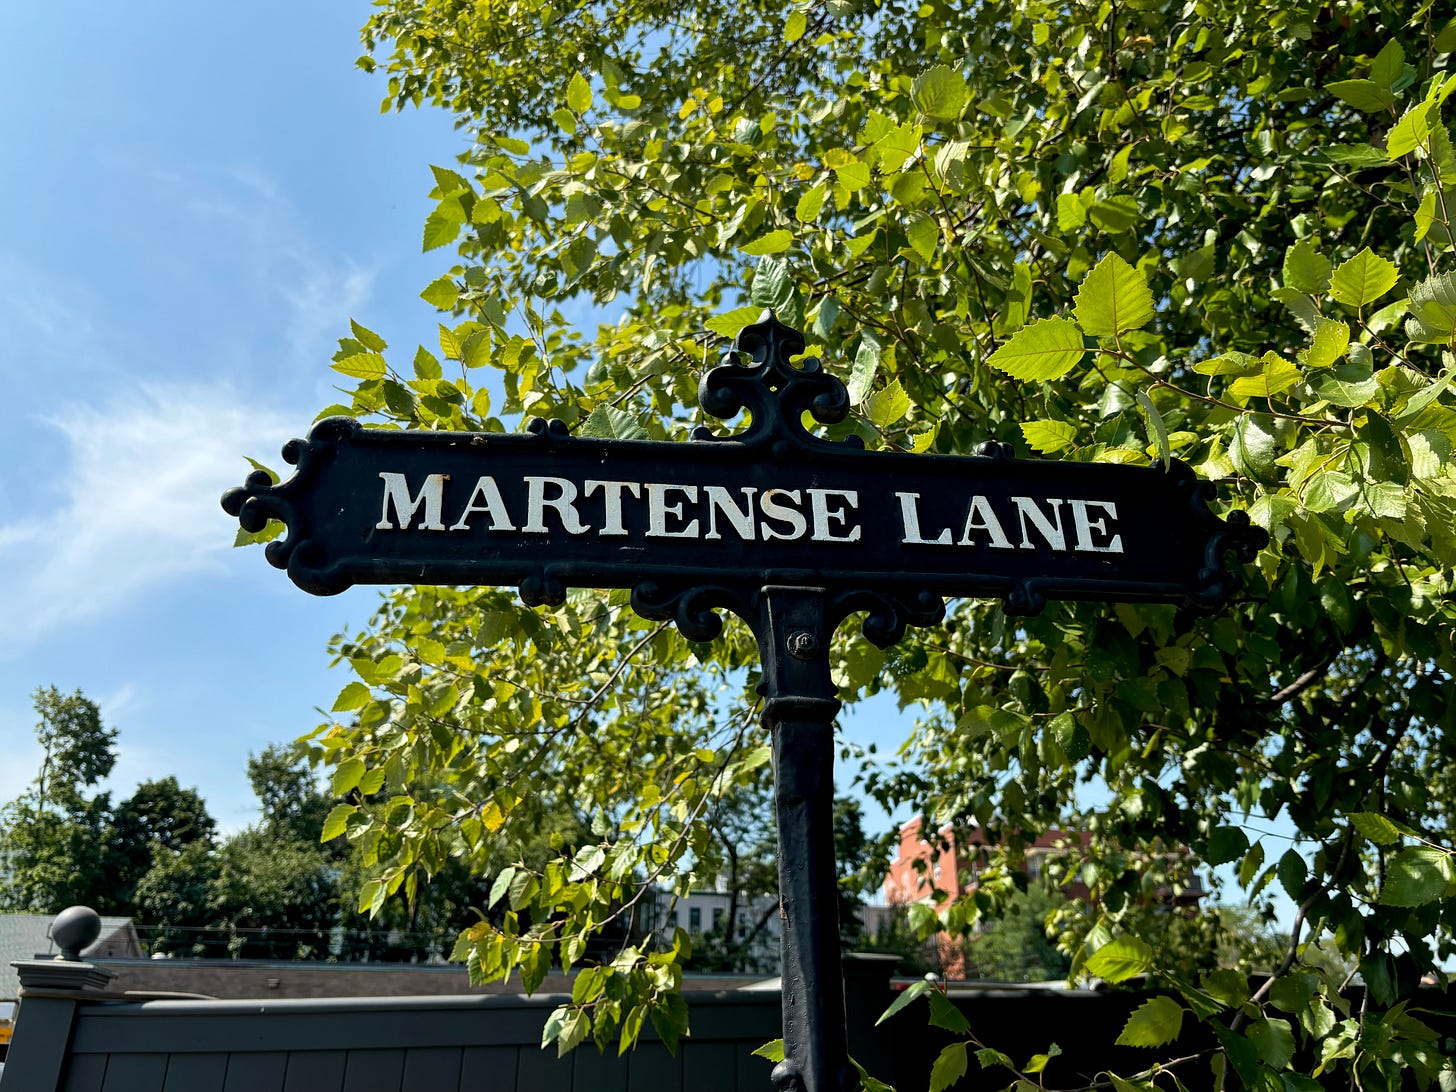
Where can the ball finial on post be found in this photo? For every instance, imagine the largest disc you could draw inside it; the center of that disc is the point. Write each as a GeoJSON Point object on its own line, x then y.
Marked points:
{"type": "Point", "coordinates": [75, 929]}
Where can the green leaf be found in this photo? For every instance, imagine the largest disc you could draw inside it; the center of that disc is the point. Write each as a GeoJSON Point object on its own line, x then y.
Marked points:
{"type": "Point", "coordinates": [1046, 349]}
{"type": "Point", "coordinates": [1362, 279]}
{"type": "Point", "coordinates": [1276, 377]}
{"type": "Point", "coordinates": [811, 203]}
{"type": "Point", "coordinates": [337, 822]}
{"type": "Point", "coordinates": [773, 1050]}
{"type": "Point", "coordinates": [670, 1020]}
{"type": "Point", "coordinates": [441, 293]}
{"type": "Point", "coordinates": [866, 366]}
{"type": "Point", "coordinates": [795, 26]}
{"type": "Point", "coordinates": [1433, 305]}
{"type": "Point", "coordinates": [773, 287]}
{"type": "Point", "coordinates": [886, 406]}
{"type": "Point", "coordinates": [612, 423]}
{"type": "Point", "coordinates": [1330, 342]}
{"type": "Point", "coordinates": [354, 696]}
{"type": "Point", "coordinates": [1415, 876]}
{"type": "Point", "coordinates": [730, 323]}
{"type": "Point", "coordinates": [944, 1014]}
{"type": "Point", "coordinates": [1389, 64]}
{"type": "Point", "coordinates": [1329, 490]}
{"type": "Point", "coordinates": [1037, 1063]}
{"type": "Point", "coordinates": [347, 775]}
{"type": "Point", "coordinates": [923, 234]}
{"type": "Point", "coordinates": [426, 366]}
{"type": "Point", "coordinates": [1153, 1023]}
{"type": "Point", "coordinates": [1293, 872]}
{"type": "Point", "coordinates": [368, 338]}
{"type": "Point", "coordinates": [1115, 214]}
{"type": "Point", "coordinates": [1379, 829]}
{"type": "Point", "coordinates": [1349, 385]}
{"type": "Point", "coordinates": [1412, 131]}
{"type": "Point", "coordinates": [1382, 458]}
{"type": "Point", "coordinates": [361, 366]}
{"type": "Point", "coordinates": [1120, 959]}
{"type": "Point", "coordinates": [907, 997]}
{"type": "Point", "coordinates": [1113, 299]}
{"type": "Point", "coordinates": [1254, 447]}
{"type": "Point", "coordinates": [579, 94]}
{"type": "Point", "coordinates": [1306, 269]}
{"type": "Point", "coordinates": [950, 1066]}
{"type": "Point", "coordinates": [939, 92]}
{"type": "Point", "coordinates": [988, 1056]}
{"type": "Point", "coordinates": [894, 148]}
{"type": "Point", "coordinates": [1426, 395]}
{"type": "Point", "coordinates": [439, 230]}
{"type": "Point", "coordinates": [1158, 429]}
{"type": "Point", "coordinates": [1226, 844]}
{"type": "Point", "coordinates": [1231, 363]}
{"type": "Point", "coordinates": [475, 350]}
{"type": "Point", "coordinates": [1048, 436]}
{"type": "Point", "coordinates": [1364, 95]}
{"type": "Point", "coordinates": [775, 242]}
{"type": "Point", "coordinates": [502, 884]}
{"type": "Point", "coordinates": [1274, 1041]}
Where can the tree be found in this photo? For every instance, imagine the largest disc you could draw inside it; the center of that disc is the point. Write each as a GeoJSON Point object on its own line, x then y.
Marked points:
{"type": "Point", "coordinates": [52, 838]}
{"type": "Point", "coordinates": [1100, 232]}
{"type": "Point", "coordinates": [160, 818]}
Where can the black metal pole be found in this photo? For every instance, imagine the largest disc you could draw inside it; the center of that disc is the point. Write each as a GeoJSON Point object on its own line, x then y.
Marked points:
{"type": "Point", "coordinates": [799, 710]}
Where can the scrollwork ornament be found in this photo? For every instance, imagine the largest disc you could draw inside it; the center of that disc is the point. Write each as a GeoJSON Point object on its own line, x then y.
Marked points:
{"type": "Point", "coordinates": [775, 392]}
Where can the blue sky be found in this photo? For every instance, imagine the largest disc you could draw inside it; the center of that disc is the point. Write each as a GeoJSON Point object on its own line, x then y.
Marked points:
{"type": "Point", "coordinates": [198, 199]}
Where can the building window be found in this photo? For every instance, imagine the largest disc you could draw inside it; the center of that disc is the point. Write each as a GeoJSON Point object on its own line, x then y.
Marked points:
{"type": "Point", "coordinates": [717, 919]}
{"type": "Point", "coordinates": [695, 919]}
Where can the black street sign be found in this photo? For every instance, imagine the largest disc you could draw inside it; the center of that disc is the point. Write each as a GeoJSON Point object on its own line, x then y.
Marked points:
{"type": "Point", "coordinates": [723, 517]}
{"type": "Point", "coordinates": [791, 532]}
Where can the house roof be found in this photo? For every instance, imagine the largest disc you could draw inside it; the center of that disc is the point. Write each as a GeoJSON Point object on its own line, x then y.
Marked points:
{"type": "Point", "coordinates": [28, 936]}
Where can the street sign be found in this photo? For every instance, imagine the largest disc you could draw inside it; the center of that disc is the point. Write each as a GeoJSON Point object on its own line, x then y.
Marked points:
{"type": "Point", "coordinates": [790, 531]}
{"type": "Point", "coordinates": [721, 517]}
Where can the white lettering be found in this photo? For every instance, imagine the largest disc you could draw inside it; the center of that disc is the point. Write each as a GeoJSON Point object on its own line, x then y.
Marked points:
{"type": "Point", "coordinates": [981, 517]}
{"type": "Point", "coordinates": [719, 500]}
{"type": "Point", "coordinates": [819, 508]}
{"type": "Point", "coordinates": [658, 510]}
{"type": "Point", "coordinates": [491, 503]}
{"type": "Point", "coordinates": [1085, 525]}
{"type": "Point", "coordinates": [1056, 538]}
{"type": "Point", "coordinates": [396, 491]}
{"type": "Point", "coordinates": [564, 503]}
{"type": "Point", "coordinates": [910, 519]}
{"type": "Point", "coordinates": [773, 508]}
{"type": "Point", "coordinates": [612, 499]}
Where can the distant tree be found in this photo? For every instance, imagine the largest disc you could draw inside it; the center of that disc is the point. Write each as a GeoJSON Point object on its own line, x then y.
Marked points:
{"type": "Point", "coordinates": [289, 796]}
{"type": "Point", "coordinates": [270, 891]}
{"type": "Point", "coordinates": [52, 836]}
{"type": "Point", "coordinates": [173, 902]}
{"type": "Point", "coordinates": [158, 821]}
{"type": "Point", "coordinates": [273, 898]}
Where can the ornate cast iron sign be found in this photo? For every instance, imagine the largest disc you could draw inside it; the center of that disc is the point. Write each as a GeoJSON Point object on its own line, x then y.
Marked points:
{"type": "Point", "coordinates": [790, 531]}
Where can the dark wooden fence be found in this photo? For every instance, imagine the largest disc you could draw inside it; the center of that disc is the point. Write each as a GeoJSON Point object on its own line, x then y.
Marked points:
{"type": "Point", "coordinates": [73, 1034]}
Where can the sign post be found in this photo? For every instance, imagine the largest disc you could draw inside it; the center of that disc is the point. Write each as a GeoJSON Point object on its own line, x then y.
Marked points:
{"type": "Point", "coordinates": [791, 532]}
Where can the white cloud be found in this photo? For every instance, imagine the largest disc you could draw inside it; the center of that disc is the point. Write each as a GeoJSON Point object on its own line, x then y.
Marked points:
{"type": "Point", "coordinates": [134, 503]}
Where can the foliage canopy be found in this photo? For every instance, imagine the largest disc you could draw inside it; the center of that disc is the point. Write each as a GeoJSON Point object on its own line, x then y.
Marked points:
{"type": "Point", "coordinates": [1217, 230]}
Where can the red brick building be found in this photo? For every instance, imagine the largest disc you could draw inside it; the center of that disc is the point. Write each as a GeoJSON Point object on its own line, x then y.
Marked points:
{"type": "Point", "coordinates": [949, 862]}
{"type": "Point", "coordinates": [941, 867]}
